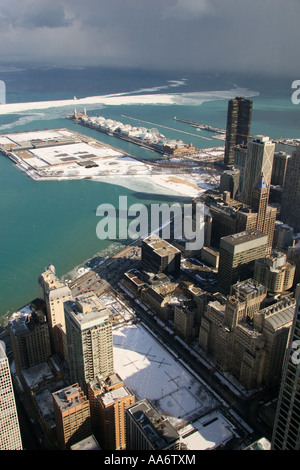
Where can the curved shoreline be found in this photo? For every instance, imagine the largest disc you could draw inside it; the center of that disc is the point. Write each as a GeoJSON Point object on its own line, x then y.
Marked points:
{"type": "Point", "coordinates": [189, 98]}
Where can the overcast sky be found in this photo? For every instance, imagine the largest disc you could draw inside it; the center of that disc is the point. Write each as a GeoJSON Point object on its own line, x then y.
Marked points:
{"type": "Point", "coordinates": [239, 35]}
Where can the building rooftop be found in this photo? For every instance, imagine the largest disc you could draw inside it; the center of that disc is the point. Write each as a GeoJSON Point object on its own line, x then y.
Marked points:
{"type": "Point", "coordinates": [158, 431]}
{"type": "Point", "coordinates": [49, 278]}
{"type": "Point", "coordinates": [110, 397]}
{"type": "Point", "coordinates": [279, 314]}
{"type": "Point", "coordinates": [22, 323]}
{"type": "Point", "coordinates": [261, 444]}
{"type": "Point", "coordinates": [89, 443]}
{"type": "Point", "coordinates": [244, 241]}
{"type": "Point", "coordinates": [160, 246]}
{"type": "Point", "coordinates": [111, 381]}
{"type": "Point", "coordinates": [249, 287]}
{"type": "Point", "coordinates": [282, 318]}
{"type": "Point", "coordinates": [87, 310]}
{"type": "Point", "coordinates": [69, 397]}
{"type": "Point", "coordinates": [242, 237]}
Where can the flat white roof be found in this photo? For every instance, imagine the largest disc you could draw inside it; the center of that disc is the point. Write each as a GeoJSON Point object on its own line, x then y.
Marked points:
{"type": "Point", "coordinates": [47, 134]}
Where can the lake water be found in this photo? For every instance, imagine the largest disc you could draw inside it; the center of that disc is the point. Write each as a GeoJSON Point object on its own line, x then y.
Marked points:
{"type": "Point", "coordinates": [43, 222]}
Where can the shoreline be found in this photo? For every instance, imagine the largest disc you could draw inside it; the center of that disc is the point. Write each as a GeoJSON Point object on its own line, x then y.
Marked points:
{"type": "Point", "coordinates": [62, 154]}
{"type": "Point", "coordinates": [117, 99]}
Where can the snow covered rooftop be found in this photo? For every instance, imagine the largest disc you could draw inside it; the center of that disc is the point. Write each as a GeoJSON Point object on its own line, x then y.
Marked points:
{"type": "Point", "coordinates": [150, 371]}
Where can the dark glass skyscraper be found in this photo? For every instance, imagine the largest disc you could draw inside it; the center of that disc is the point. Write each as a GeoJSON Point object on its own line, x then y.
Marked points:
{"type": "Point", "coordinates": [290, 207]}
{"type": "Point", "coordinates": [238, 126]}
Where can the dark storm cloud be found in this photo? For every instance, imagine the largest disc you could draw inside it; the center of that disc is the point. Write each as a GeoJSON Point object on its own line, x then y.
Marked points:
{"type": "Point", "coordinates": [31, 14]}
{"type": "Point", "coordinates": [49, 15]}
{"type": "Point", "coordinates": [194, 34]}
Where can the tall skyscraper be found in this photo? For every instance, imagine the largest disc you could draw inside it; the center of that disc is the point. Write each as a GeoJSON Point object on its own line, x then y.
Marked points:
{"type": "Point", "coordinates": [286, 432]}
{"type": "Point", "coordinates": [238, 253]}
{"type": "Point", "coordinates": [259, 162]}
{"type": "Point", "coordinates": [72, 416]}
{"type": "Point", "coordinates": [109, 399]}
{"type": "Point", "coordinates": [257, 182]}
{"type": "Point", "coordinates": [55, 293]}
{"type": "Point", "coordinates": [237, 127]}
{"type": "Point", "coordinates": [89, 339]}
{"type": "Point", "coordinates": [290, 206]}
{"type": "Point", "coordinates": [10, 437]}
{"type": "Point", "coordinates": [30, 340]}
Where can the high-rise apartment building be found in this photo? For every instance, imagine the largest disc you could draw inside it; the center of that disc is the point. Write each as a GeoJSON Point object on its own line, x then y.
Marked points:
{"type": "Point", "coordinates": [286, 431]}
{"type": "Point", "coordinates": [185, 319]}
{"type": "Point", "coordinates": [10, 436]}
{"type": "Point", "coordinates": [72, 416]}
{"type": "Point", "coordinates": [89, 338]}
{"type": "Point", "coordinates": [238, 253]}
{"type": "Point", "coordinates": [146, 429]}
{"type": "Point", "coordinates": [275, 272]}
{"type": "Point", "coordinates": [290, 206]}
{"type": "Point", "coordinates": [55, 293]}
{"type": "Point", "coordinates": [109, 399]}
{"type": "Point", "coordinates": [259, 163]}
{"type": "Point", "coordinates": [30, 339]}
{"type": "Point", "coordinates": [237, 127]}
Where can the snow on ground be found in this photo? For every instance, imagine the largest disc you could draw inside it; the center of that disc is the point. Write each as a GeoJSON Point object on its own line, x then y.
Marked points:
{"type": "Point", "coordinates": [208, 432]}
{"type": "Point", "coordinates": [151, 372]}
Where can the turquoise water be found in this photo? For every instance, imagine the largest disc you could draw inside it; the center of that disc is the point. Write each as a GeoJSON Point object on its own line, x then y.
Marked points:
{"type": "Point", "coordinates": [55, 222]}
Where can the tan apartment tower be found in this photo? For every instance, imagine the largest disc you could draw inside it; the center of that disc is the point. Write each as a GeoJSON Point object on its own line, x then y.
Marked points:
{"type": "Point", "coordinates": [275, 272]}
{"type": "Point", "coordinates": [109, 399]}
{"type": "Point", "coordinates": [286, 431]}
{"type": "Point", "coordinates": [55, 293]}
{"type": "Point", "coordinates": [10, 436]}
{"type": "Point", "coordinates": [72, 416]}
{"type": "Point", "coordinates": [89, 339]}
